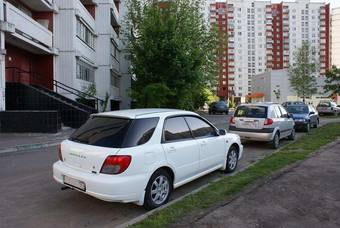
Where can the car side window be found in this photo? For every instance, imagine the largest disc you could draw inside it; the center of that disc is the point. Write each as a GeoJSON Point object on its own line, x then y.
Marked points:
{"type": "Point", "coordinates": [277, 111]}
{"type": "Point", "coordinates": [200, 128]}
{"type": "Point", "coordinates": [283, 112]}
{"type": "Point", "coordinates": [176, 129]}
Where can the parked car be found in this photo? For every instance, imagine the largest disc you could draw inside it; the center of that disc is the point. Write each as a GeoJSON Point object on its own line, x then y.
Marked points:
{"type": "Point", "coordinates": [141, 155]}
{"type": "Point", "coordinates": [268, 122]}
{"type": "Point", "coordinates": [219, 107]}
{"type": "Point", "coordinates": [328, 107]}
{"type": "Point", "coordinates": [305, 116]}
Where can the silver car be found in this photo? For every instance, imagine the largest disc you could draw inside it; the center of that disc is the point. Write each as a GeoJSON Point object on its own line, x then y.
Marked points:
{"type": "Point", "coordinates": [328, 107]}
{"type": "Point", "coordinates": [268, 122]}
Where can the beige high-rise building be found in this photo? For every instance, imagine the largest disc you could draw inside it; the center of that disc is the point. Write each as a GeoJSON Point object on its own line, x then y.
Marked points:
{"type": "Point", "coordinates": [336, 37]}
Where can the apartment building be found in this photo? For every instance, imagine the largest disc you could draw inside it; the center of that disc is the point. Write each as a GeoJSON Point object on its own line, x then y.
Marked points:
{"type": "Point", "coordinates": [26, 42]}
{"type": "Point", "coordinates": [73, 43]}
{"type": "Point", "coordinates": [90, 48]}
{"type": "Point", "coordinates": [335, 50]}
{"type": "Point", "coordinates": [263, 36]}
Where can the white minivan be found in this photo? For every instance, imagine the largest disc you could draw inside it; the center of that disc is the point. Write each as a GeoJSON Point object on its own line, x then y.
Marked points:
{"type": "Point", "coordinates": [141, 155]}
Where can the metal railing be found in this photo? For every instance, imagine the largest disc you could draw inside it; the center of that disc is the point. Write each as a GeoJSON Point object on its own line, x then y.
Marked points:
{"type": "Point", "coordinates": [27, 77]}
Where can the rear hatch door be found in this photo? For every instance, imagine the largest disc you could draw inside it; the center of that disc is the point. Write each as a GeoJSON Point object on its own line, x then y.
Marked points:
{"type": "Point", "coordinates": [99, 137]}
{"type": "Point", "coordinates": [85, 157]}
{"type": "Point", "coordinates": [250, 117]}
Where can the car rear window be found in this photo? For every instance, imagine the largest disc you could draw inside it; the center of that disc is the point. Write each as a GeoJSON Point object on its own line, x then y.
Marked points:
{"type": "Point", "coordinates": [251, 111]}
{"type": "Point", "coordinates": [115, 132]}
{"type": "Point", "coordinates": [298, 109]}
{"type": "Point", "coordinates": [324, 104]}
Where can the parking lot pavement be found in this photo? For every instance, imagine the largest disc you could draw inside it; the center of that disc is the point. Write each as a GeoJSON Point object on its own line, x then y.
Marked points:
{"type": "Point", "coordinates": [305, 196]}
{"type": "Point", "coordinates": [30, 197]}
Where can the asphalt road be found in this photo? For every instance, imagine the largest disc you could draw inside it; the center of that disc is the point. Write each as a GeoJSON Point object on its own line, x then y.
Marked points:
{"type": "Point", "coordinates": [31, 198]}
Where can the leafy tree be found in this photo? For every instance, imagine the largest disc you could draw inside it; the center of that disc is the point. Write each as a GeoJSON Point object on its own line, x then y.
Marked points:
{"type": "Point", "coordinates": [332, 82]}
{"type": "Point", "coordinates": [301, 74]}
{"type": "Point", "coordinates": [172, 51]}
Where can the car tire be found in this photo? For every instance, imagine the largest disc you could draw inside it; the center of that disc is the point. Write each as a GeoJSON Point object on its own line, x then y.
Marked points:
{"type": "Point", "coordinates": [276, 141]}
{"type": "Point", "coordinates": [307, 128]}
{"type": "Point", "coordinates": [158, 196]}
{"type": "Point", "coordinates": [316, 123]}
{"type": "Point", "coordinates": [232, 159]}
{"type": "Point", "coordinates": [292, 135]}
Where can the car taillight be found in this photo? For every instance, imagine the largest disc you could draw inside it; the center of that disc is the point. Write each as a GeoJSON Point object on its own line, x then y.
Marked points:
{"type": "Point", "coordinates": [232, 120]}
{"type": "Point", "coordinates": [268, 121]}
{"type": "Point", "coordinates": [116, 164]}
{"type": "Point", "coordinates": [60, 155]}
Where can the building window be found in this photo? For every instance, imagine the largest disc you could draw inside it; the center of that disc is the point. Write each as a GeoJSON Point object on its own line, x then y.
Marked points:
{"type": "Point", "coordinates": [115, 79]}
{"type": "Point", "coordinates": [84, 71]}
{"type": "Point", "coordinates": [114, 50]}
{"type": "Point", "coordinates": [85, 34]}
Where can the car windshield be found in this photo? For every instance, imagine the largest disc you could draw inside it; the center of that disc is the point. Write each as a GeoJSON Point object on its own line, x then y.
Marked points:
{"type": "Point", "coordinates": [115, 132]}
{"type": "Point", "coordinates": [297, 109]}
{"type": "Point", "coordinates": [221, 103]}
{"type": "Point", "coordinates": [251, 111]}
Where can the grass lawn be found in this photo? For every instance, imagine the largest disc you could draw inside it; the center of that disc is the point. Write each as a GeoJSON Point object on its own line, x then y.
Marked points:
{"type": "Point", "coordinates": [218, 191]}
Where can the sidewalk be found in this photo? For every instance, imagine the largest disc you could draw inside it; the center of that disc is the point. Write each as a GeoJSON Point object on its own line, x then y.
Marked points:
{"type": "Point", "coordinates": [11, 142]}
{"type": "Point", "coordinates": [307, 195]}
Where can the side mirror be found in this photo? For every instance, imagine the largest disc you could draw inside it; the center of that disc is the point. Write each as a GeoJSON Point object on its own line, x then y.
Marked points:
{"type": "Point", "coordinates": [311, 113]}
{"type": "Point", "coordinates": [222, 132]}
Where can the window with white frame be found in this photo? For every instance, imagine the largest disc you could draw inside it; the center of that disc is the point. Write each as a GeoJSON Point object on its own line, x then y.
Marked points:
{"type": "Point", "coordinates": [84, 71]}
{"type": "Point", "coordinates": [115, 79]}
{"type": "Point", "coordinates": [85, 34]}
{"type": "Point", "coordinates": [114, 50]}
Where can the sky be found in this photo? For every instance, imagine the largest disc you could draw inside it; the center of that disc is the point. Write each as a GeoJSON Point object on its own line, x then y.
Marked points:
{"type": "Point", "coordinates": [334, 3]}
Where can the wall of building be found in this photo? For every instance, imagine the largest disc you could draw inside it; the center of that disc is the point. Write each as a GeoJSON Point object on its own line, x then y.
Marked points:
{"type": "Point", "coordinates": [279, 80]}
{"type": "Point", "coordinates": [336, 37]}
{"type": "Point", "coordinates": [2, 62]}
{"type": "Point", "coordinates": [265, 36]}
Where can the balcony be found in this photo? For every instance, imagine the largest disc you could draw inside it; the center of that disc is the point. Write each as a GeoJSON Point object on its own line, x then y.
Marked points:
{"type": "Point", "coordinates": [41, 5]}
{"type": "Point", "coordinates": [26, 28]}
{"type": "Point", "coordinates": [115, 20]}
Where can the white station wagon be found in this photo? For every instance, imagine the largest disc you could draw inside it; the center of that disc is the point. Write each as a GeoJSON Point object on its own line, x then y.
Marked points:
{"type": "Point", "coordinates": [141, 155]}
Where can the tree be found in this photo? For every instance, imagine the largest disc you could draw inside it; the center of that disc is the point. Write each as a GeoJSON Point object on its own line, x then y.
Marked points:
{"type": "Point", "coordinates": [301, 74]}
{"type": "Point", "coordinates": [172, 51]}
{"type": "Point", "coordinates": [332, 82]}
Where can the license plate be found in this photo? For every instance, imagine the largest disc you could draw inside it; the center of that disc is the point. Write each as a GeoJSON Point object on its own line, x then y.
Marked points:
{"type": "Point", "coordinates": [74, 183]}
{"type": "Point", "coordinates": [249, 125]}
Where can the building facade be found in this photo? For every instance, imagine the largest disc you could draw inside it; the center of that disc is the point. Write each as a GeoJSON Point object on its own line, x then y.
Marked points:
{"type": "Point", "coordinates": [264, 36]}
{"type": "Point", "coordinates": [275, 87]}
{"type": "Point", "coordinates": [73, 42]}
{"type": "Point", "coordinates": [336, 37]}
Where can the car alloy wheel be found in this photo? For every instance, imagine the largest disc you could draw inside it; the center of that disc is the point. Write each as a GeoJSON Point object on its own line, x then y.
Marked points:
{"type": "Point", "coordinates": [292, 135]}
{"type": "Point", "coordinates": [232, 159]}
{"type": "Point", "coordinates": [160, 189]}
{"type": "Point", "coordinates": [276, 141]}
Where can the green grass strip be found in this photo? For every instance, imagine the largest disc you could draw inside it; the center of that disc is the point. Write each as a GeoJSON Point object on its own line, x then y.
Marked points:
{"type": "Point", "coordinates": [218, 191]}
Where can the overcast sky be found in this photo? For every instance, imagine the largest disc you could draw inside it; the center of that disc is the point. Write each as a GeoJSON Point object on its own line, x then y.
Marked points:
{"type": "Point", "coordinates": [334, 3]}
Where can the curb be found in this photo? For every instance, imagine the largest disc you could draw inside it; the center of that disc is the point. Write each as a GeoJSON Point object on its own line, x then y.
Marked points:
{"type": "Point", "coordinates": [21, 148]}
{"type": "Point", "coordinates": [255, 185]}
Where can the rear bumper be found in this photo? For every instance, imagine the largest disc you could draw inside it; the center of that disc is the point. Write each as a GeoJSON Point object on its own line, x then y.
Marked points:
{"type": "Point", "coordinates": [264, 135]}
{"type": "Point", "coordinates": [105, 187]}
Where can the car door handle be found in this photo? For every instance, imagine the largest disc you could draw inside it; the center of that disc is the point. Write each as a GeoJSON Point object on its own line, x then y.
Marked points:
{"type": "Point", "coordinates": [172, 149]}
